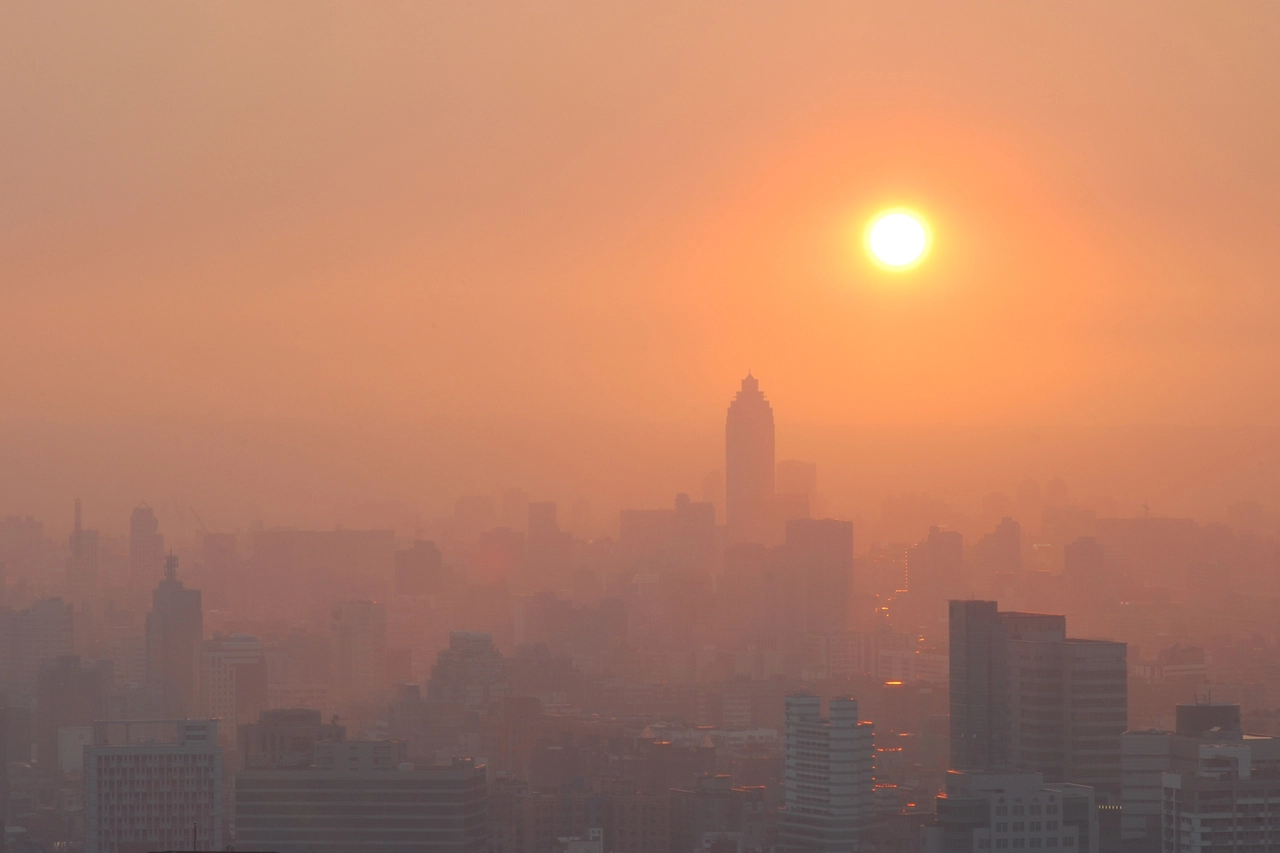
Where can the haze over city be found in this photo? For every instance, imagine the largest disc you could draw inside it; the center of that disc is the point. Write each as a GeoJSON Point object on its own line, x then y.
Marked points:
{"type": "Point", "coordinates": [549, 392]}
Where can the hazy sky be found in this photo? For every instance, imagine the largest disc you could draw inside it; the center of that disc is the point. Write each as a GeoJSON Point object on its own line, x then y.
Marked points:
{"type": "Point", "coordinates": [390, 212]}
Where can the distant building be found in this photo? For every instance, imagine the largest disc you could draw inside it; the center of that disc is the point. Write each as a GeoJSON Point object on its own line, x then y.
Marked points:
{"type": "Point", "coordinates": [154, 795]}
{"type": "Point", "coordinates": [175, 627]}
{"type": "Point", "coordinates": [749, 464]}
{"type": "Point", "coordinates": [419, 570]}
{"type": "Point", "coordinates": [359, 630]}
{"type": "Point", "coordinates": [935, 566]}
{"type": "Point", "coordinates": [285, 739]}
{"type": "Point", "coordinates": [1225, 802]}
{"type": "Point", "coordinates": [83, 563]}
{"type": "Point", "coordinates": [362, 796]}
{"type": "Point", "coordinates": [67, 695]}
{"type": "Point", "coordinates": [471, 672]}
{"type": "Point", "coordinates": [146, 548]}
{"type": "Point", "coordinates": [828, 785]}
{"type": "Point", "coordinates": [984, 811]}
{"type": "Point", "coordinates": [818, 561]}
{"type": "Point", "coordinates": [231, 682]}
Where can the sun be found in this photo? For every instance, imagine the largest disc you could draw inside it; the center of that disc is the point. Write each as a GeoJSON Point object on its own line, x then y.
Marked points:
{"type": "Point", "coordinates": [897, 239]}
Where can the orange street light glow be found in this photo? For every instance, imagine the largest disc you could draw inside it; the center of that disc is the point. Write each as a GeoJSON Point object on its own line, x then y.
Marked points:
{"type": "Point", "coordinates": [897, 239]}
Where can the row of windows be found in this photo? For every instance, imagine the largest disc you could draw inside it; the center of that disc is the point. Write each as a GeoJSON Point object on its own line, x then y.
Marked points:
{"type": "Point", "coordinates": [1020, 843]}
{"type": "Point", "coordinates": [1052, 808]}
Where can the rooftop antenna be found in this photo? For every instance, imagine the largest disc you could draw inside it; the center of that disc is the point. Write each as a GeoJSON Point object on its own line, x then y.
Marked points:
{"type": "Point", "coordinates": [171, 567]}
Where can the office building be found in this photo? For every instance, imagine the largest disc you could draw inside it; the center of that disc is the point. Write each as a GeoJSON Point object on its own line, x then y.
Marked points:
{"type": "Point", "coordinates": [231, 683]}
{"type": "Point", "coordinates": [818, 560]}
{"type": "Point", "coordinates": [362, 796]}
{"type": "Point", "coordinates": [145, 795]}
{"type": "Point", "coordinates": [1069, 709]}
{"type": "Point", "coordinates": [827, 783]}
{"type": "Point", "coordinates": [68, 695]}
{"type": "Point", "coordinates": [1147, 755]}
{"type": "Point", "coordinates": [984, 811]}
{"type": "Point", "coordinates": [82, 564]}
{"type": "Point", "coordinates": [285, 739]}
{"type": "Point", "coordinates": [44, 631]}
{"type": "Point", "coordinates": [749, 465]}
{"type": "Point", "coordinates": [935, 566]}
{"type": "Point", "coordinates": [471, 672]}
{"type": "Point", "coordinates": [175, 627]}
{"type": "Point", "coordinates": [146, 548]}
{"type": "Point", "coordinates": [1226, 802]}
{"type": "Point", "coordinates": [359, 630]}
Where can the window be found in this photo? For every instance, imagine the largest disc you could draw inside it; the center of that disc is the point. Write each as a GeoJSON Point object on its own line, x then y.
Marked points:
{"type": "Point", "coordinates": [1019, 842]}
{"type": "Point", "coordinates": [1051, 825]}
{"type": "Point", "coordinates": [1017, 810]}
{"type": "Point", "coordinates": [1002, 810]}
{"type": "Point", "coordinates": [984, 843]}
{"type": "Point", "coordinates": [1050, 809]}
{"type": "Point", "coordinates": [1033, 810]}
{"type": "Point", "coordinates": [1002, 844]}
{"type": "Point", "coordinates": [1002, 827]}
{"type": "Point", "coordinates": [1051, 842]}
{"type": "Point", "coordinates": [1019, 826]}
{"type": "Point", "coordinates": [1068, 842]}
{"type": "Point", "coordinates": [1034, 826]}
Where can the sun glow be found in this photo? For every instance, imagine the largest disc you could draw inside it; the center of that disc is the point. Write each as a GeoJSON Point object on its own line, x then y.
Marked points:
{"type": "Point", "coordinates": [897, 239]}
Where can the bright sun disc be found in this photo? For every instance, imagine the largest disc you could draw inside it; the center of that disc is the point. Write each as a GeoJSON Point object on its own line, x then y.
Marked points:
{"type": "Point", "coordinates": [897, 239]}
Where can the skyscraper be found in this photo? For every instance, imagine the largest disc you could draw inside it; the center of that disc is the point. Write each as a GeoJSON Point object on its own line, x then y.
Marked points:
{"type": "Point", "coordinates": [175, 627]}
{"type": "Point", "coordinates": [82, 565]}
{"type": "Point", "coordinates": [828, 784]}
{"type": "Point", "coordinates": [749, 464]}
{"type": "Point", "coordinates": [981, 724]}
{"type": "Point", "coordinates": [819, 562]}
{"type": "Point", "coordinates": [146, 547]}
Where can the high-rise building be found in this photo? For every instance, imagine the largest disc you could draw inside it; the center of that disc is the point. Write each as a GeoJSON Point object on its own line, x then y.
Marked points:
{"type": "Point", "coordinates": [175, 627]}
{"type": "Point", "coordinates": [231, 683]}
{"type": "Point", "coordinates": [984, 811]}
{"type": "Point", "coordinates": [935, 566]}
{"type": "Point", "coordinates": [749, 465]}
{"type": "Point", "coordinates": [359, 631]}
{"type": "Point", "coordinates": [1147, 755]}
{"type": "Point", "coordinates": [471, 672]}
{"type": "Point", "coordinates": [67, 695]}
{"type": "Point", "coordinates": [44, 631]}
{"type": "Point", "coordinates": [1068, 700]}
{"type": "Point", "coordinates": [82, 565]}
{"type": "Point", "coordinates": [828, 785]}
{"type": "Point", "coordinates": [361, 796]}
{"type": "Point", "coordinates": [419, 569]}
{"type": "Point", "coordinates": [1025, 696]}
{"type": "Point", "coordinates": [146, 547]}
{"type": "Point", "coordinates": [981, 721]}
{"type": "Point", "coordinates": [148, 795]}
{"type": "Point", "coordinates": [1000, 551]}
{"type": "Point", "coordinates": [1224, 803]}
{"type": "Point", "coordinates": [818, 559]}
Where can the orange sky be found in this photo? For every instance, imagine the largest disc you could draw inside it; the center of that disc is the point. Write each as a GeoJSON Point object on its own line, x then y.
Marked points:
{"type": "Point", "coordinates": [389, 212]}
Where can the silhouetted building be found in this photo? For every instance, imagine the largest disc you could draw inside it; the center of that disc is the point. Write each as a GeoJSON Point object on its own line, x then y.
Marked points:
{"type": "Point", "coordinates": [82, 564]}
{"type": "Point", "coordinates": [419, 570]}
{"type": "Point", "coordinates": [749, 464]}
{"type": "Point", "coordinates": [175, 628]}
{"type": "Point", "coordinates": [818, 559]}
{"type": "Point", "coordinates": [146, 547]}
{"type": "Point", "coordinates": [1000, 551]}
{"type": "Point", "coordinates": [359, 630]}
{"type": "Point", "coordinates": [935, 566]}
{"type": "Point", "coordinates": [67, 695]}
{"type": "Point", "coordinates": [471, 672]}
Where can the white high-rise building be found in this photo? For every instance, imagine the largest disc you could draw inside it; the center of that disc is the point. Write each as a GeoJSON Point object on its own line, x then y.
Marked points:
{"type": "Point", "coordinates": [153, 795]}
{"type": "Point", "coordinates": [993, 811]}
{"type": "Point", "coordinates": [828, 786]}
